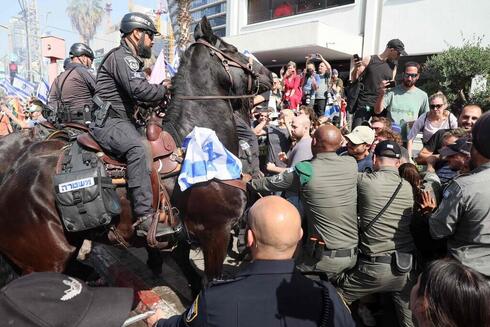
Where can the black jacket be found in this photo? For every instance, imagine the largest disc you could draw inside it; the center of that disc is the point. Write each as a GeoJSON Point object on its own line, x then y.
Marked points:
{"type": "Point", "coordinates": [265, 293]}
{"type": "Point", "coordinates": [122, 82]}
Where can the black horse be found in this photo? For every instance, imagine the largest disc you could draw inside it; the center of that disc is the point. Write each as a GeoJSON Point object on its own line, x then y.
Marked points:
{"type": "Point", "coordinates": [213, 80]}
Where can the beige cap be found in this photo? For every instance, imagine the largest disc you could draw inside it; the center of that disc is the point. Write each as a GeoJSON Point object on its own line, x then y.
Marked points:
{"type": "Point", "coordinates": [361, 134]}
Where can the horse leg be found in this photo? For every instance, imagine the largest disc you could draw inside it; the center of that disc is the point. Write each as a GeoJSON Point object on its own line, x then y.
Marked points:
{"type": "Point", "coordinates": [154, 261]}
{"type": "Point", "coordinates": [181, 257]}
{"type": "Point", "coordinates": [214, 246]}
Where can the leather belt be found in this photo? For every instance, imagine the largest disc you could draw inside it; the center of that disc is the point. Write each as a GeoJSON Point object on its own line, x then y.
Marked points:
{"type": "Point", "coordinates": [379, 259]}
{"type": "Point", "coordinates": [340, 253]}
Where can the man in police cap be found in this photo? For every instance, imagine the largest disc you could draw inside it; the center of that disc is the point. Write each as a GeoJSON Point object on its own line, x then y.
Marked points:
{"type": "Point", "coordinates": [269, 291]}
{"type": "Point", "coordinates": [72, 91]}
{"type": "Point", "coordinates": [121, 86]}
{"type": "Point", "coordinates": [463, 217]}
{"type": "Point", "coordinates": [384, 203]}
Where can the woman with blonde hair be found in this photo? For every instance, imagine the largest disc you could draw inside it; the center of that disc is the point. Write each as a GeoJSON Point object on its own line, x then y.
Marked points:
{"type": "Point", "coordinates": [430, 122]}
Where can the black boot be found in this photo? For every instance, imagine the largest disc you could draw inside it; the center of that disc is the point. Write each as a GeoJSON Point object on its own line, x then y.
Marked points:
{"type": "Point", "coordinates": [162, 228]}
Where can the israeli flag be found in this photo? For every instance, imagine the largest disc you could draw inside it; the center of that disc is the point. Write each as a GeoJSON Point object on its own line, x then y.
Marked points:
{"type": "Point", "coordinates": [206, 158]}
{"type": "Point", "coordinates": [24, 88]}
{"type": "Point", "coordinates": [7, 88]}
{"type": "Point", "coordinates": [332, 111]}
{"type": "Point", "coordinates": [42, 92]}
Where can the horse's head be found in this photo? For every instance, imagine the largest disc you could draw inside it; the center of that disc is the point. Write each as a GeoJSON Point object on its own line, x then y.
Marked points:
{"type": "Point", "coordinates": [241, 74]}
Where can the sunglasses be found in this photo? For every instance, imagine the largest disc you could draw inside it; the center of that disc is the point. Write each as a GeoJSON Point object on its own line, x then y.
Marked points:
{"type": "Point", "coordinates": [434, 106]}
{"type": "Point", "coordinates": [150, 35]}
{"type": "Point", "coordinates": [411, 75]}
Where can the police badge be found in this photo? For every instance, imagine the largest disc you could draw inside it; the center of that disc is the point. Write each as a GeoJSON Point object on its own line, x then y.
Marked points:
{"type": "Point", "coordinates": [132, 63]}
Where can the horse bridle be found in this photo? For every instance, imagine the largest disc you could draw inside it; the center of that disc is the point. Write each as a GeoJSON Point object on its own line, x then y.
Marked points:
{"type": "Point", "coordinates": [226, 62]}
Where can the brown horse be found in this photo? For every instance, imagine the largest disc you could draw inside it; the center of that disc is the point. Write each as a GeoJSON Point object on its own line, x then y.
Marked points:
{"type": "Point", "coordinates": [213, 79]}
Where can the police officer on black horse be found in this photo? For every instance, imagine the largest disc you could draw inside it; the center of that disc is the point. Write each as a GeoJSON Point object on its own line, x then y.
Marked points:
{"type": "Point", "coordinates": [122, 86]}
{"type": "Point", "coordinates": [72, 91]}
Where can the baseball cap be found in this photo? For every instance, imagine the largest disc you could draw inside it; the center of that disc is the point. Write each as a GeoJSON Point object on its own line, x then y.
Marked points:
{"type": "Point", "coordinates": [462, 146]}
{"type": "Point", "coordinates": [361, 134]}
{"type": "Point", "coordinates": [52, 299]}
{"type": "Point", "coordinates": [397, 45]}
{"type": "Point", "coordinates": [388, 149]}
{"type": "Point", "coordinates": [481, 135]}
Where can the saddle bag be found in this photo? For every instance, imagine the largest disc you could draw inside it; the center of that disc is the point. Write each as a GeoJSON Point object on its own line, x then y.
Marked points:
{"type": "Point", "coordinates": [85, 196]}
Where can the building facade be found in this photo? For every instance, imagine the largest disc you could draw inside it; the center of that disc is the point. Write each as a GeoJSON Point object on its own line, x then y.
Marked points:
{"type": "Point", "coordinates": [277, 31]}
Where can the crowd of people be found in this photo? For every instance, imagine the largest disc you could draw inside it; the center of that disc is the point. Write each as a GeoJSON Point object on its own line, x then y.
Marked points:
{"type": "Point", "coordinates": [346, 196]}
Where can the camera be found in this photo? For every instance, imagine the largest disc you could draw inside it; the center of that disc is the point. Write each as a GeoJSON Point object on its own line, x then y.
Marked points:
{"type": "Point", "coordinates": [390, 84]}
{"type": "Point", "coordinates": [356, 57]}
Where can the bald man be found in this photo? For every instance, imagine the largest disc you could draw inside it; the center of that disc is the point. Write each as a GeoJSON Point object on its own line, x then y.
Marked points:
{"type": "Point", "coordinates": [328, 187]}
{"type": "Point", "coordinates": [269, 291]}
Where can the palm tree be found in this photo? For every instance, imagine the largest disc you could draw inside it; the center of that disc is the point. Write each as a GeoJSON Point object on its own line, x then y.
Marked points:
{"type": "Point", "coordinates": [85, 16]}
{"type": "Point", "coordinates": [184, 19]}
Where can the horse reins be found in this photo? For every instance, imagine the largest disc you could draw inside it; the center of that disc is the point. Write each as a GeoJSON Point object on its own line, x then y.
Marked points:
{"type": "Point", "coordinates": [227, 61]}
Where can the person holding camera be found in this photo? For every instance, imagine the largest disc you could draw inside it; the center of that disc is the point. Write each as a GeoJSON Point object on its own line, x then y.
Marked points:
{"type": "Point", "coordinates": [370, 71]}
{"type": "Point", "coordinates": [404, 103]}
{"type": "Point", "coordinates": [310, 83]}
{"type": "Point", "coordinates": [292, 87]}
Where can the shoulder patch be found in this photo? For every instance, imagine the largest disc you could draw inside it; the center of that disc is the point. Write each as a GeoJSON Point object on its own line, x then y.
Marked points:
{"type": "Point", "coordinates": [193, 310]}
{"type": "Point", "coordinates": [137, 75]}
{"type": "Point", "coordinates": [132, 63]}
{"type": "Point", "coordinates": [304, 171]}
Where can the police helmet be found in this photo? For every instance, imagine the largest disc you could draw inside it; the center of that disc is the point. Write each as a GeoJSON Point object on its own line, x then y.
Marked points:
{"type": "Point", "coordinates": [80, 49]}
{"type": "Point", "coordinates": [136, 20]}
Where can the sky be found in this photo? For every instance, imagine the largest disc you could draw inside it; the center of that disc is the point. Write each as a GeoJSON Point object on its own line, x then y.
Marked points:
{"type": "Point", "coordinates": [52, 18]}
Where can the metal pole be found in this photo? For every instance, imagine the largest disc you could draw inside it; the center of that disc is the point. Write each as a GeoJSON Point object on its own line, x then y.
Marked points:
{"type": "Point", "coordinates": [24, 12]}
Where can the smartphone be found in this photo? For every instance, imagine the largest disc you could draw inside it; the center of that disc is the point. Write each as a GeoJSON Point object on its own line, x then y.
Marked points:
{"type": "Point", "coordinates": [390, 84]}
{"type": "Point", "coordinates": [356, 57]}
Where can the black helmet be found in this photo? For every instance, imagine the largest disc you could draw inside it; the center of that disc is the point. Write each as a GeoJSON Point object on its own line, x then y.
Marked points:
{"type": "Point", "coordinates": [80, 49]}
{"type": "Point", "coordinates": [134, 20]}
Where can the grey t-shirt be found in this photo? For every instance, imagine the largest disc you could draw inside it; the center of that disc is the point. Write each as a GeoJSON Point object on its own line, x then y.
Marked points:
{"type": "Point", "coordinates": [300, 152]}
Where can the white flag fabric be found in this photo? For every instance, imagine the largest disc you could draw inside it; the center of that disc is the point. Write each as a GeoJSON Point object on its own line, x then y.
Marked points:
{"type": "Point", "coordinates": [42, 92]}
{"type": "Point", "coordinates": [206, 158]}
{"type": "Point", "coordinates": [158, 72]}
{"type": "Point", "coordinates": [24, 87]}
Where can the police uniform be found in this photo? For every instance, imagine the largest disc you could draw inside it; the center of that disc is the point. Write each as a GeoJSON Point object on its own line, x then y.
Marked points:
{"type": "Point", "coordinates": [72, 92]}
{"type": "Point", "coordinates": [464, 218]}
{"type": "Point", "coordinates": [265, 293]}
{"type": "Point", "coordinates": [374, 272]}
{"type": "Point", "coordinates": [328, 193]}
{"type": "Point", "coordinates": [122, 83]}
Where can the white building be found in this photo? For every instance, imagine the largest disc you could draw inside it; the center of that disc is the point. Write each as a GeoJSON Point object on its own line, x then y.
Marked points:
{"type": "Point", "coordinates": [339, 28]}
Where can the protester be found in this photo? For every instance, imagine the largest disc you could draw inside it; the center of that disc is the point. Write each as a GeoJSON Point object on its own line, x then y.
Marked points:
{"type": "Point", "coordinates": [457, 155]}
{"type": "Point", "coordinates": [374, 70]}
{"type": "Point", "coordinates": [430, 122]}
{"type": "Point", "coordinates": [403, 103]}
{"type": "Point", "coordinates": [469, 115]}
{"type": "Point", "coordinates": [321, 97]}
{"type": "Point", "coordinates": [450, 294]}
{"type": "Point", "coordinates": [279, 138]}
{"type": "Point", "coordinates": [292, 91]}
{"type": "Point", "coordinates": [359, 142]}
{"type": "Point", "coordinates": [310, 83]}
{"type": "Point", "coordinates": [52, 299]}
{"type": "Point", "coordinates": [266, 292]}
{"type": "Point", "coordinates": [34, 112]}
{"type": "Point", "coordinates": [463, 216]}
{"type": "Point", "coordinates": [336, 83]}
{"type": "Point", "coordinates": [384, 206]}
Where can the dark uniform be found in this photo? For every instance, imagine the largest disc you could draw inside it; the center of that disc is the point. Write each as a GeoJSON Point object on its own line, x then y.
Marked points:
{"type": "Point", "coordinates": [122, 83]}
{"type": "Point", "coordinates": [265, 293]}
{"type": "Point", "coordinates": [72, 91]}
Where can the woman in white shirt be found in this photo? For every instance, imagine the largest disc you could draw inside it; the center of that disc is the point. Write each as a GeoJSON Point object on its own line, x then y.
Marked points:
{"type": "Point", "coordinates": [430, 122]}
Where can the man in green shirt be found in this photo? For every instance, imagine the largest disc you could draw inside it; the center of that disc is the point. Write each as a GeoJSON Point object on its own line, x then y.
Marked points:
{"type": "Point", "coordinates": [405, 102]}
{"type": "Point", "coordinates": [327, 185]}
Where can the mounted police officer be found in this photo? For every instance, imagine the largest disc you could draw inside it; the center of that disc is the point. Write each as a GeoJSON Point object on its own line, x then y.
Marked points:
{"type": "Point", "coordinates": [122, 86]}
{"type": "Point", "coordinates": [72, 91]}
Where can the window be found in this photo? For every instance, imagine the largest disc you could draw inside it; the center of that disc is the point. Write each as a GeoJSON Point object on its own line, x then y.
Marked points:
{"type": "Point", "coordinates": [264, 10]}
{"type": "Point", "coordinates": [199, 3]}
{"type": "Point", "coordinates": [213, 10]}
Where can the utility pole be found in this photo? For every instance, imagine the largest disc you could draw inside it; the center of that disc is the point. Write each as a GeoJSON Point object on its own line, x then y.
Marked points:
{"type": "Point", "coordinates": [24, 9]}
